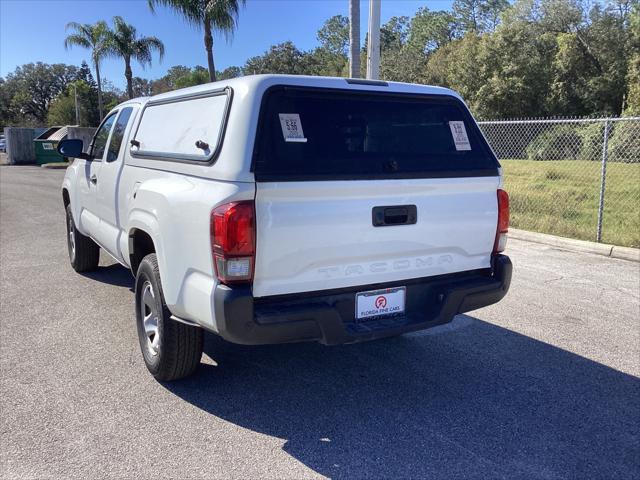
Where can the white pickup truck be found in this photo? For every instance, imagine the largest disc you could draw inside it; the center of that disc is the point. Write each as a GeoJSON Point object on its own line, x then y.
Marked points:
{"type": "Point", "coordinates": [275, 208]}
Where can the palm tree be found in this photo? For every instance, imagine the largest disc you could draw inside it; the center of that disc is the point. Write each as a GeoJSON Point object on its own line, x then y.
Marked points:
{"type": "Point", "coordinates": [95, 38]}
{"type": "Point", "coordinates": [123, 42]}
{"type": "Point", "coordinates": [354, 38]}
{"type": "Point", "coordinates": [221, 15]}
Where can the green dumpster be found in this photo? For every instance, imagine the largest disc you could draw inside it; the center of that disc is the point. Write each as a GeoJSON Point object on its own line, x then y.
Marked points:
{"type": "Point", "coordinates": [46, 145]}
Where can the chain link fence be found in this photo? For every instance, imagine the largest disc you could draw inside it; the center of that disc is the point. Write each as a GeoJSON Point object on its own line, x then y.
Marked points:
{"type": "Point", "coordinates": [577, 178]}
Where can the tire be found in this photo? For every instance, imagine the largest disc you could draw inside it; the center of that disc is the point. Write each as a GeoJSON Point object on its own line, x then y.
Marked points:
{"type": "Point", "coordinates": [171, 350]}
{"type": "Point", "coordinates": [84, 253]}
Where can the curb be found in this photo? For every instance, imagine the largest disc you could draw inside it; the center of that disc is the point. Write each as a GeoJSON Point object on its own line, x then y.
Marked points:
{"type": "Point", "coordinates": [626, 253]}
{"type": "Point", "coordinates": [581, 246]}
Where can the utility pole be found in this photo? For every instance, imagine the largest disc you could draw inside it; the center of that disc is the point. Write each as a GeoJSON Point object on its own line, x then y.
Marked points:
{"type": "Point", "coordinates": [373, 50]}
{"type": "Point", "coordinates": [354, 38]}
{"type": "Point", "coordinates": [75, 96]}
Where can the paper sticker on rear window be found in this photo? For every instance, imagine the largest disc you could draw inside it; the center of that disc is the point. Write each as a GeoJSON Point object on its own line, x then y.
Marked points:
{"type": "Point", "coordinates": [291, 127]}
{"type": "Point", "coordinates": [459, 134]}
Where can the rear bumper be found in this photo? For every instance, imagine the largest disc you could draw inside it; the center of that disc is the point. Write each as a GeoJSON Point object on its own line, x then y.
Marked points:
{"type": "Point", "coordinates": [329, 317]}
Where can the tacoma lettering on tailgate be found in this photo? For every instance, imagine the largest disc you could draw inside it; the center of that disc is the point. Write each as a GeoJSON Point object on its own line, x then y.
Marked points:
{"type": "Point", "coordinates": [352, 270]}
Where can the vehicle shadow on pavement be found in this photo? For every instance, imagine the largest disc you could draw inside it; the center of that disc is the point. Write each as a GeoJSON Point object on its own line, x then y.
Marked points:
{"type": "Point", "coordinates": [466, 400]}
{"type": "Point", "coordinates": [114, 274]}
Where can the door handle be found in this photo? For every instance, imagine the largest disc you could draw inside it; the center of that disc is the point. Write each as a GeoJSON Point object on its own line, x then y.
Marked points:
{"type": "Point", "coordinates": [94, 179]}
{"type": "Point", "coordinates": [394, 215]}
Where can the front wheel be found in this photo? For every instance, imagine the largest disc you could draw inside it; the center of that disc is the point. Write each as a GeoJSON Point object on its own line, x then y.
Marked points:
{"type": "Point", "coordinates": [171, 350]}
{"type": "Point", "coordinates": [84, 253]}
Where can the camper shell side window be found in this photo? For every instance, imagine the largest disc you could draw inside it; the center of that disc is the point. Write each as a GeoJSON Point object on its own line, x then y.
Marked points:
{"type": "Point", "coordinates": [189, 128]}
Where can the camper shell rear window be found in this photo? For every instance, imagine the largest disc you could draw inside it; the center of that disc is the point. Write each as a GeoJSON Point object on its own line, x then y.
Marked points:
{"type": "Point", "coordinates": [331, 134]}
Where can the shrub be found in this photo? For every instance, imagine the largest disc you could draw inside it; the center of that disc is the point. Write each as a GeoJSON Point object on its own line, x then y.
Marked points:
{"type": "Point", "coordinates": [559, 142]}
{"type": "Point", "coordinates": [592, 136]}
{"type": "Point", "coordinates": [624, 142]}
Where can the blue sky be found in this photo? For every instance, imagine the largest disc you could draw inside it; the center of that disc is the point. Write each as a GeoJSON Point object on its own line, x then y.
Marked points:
{"type": "Point", "coordinates": [33, 30]}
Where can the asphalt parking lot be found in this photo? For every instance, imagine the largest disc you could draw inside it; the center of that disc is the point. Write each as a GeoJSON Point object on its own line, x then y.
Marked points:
{"type": "Point", "coordinates": [542, 385]}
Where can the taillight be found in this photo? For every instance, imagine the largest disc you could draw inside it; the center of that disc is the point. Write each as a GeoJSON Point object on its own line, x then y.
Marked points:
{"type": "Point", "coordinates": [503, 222]}
{"type": "Point", "coordinates": [233, 241]}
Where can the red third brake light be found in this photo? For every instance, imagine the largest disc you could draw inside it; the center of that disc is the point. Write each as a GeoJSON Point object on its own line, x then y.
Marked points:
{"type": "Point", "coordinates": [503, 222]}
{"type": "Point", "coordinates": [233, 241]}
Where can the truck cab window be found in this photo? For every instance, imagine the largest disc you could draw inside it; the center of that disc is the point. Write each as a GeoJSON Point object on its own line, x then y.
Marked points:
{"type": "Point", "coordinates": [101, 137]}
{"type": "Point", "coordinates": [118, 134]}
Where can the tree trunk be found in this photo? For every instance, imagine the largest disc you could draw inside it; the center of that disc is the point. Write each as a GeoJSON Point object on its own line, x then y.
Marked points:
{"type": "Point", "coordinates": [208, 45]}
{"type": "Point", "coordinates": [129, 76]}
{"type": "Point", "coordinates": [100, 107]}
{"type": "Point", "coordinates": [354, 38]}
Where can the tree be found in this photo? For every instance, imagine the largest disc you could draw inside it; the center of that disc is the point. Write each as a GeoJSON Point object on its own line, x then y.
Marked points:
{"type": "Point", "coordinates": [516, 63]}
{"type": "Point", "coordinates": [400, 62]}
{"type": "Point", "coordinates": [123, 42]}
{"type": "Point", "coordinates": [221, 15]}
{"type": "Point", "coordinates": [479, 16]}
{"type": "Point", "coordinates": [394, 33]}
{"type": "Point", "coordinates": [430, 30]}
{"type": "Point", "coordinates": [90, 100]}
{"type": "Point", "coordinates": [491, 11]}
{"type": "Point", "coordinates": [7, 114]}
{"type": "Point", "coordinates": [230, 72]}
{"type": "Point", "coordinates": [468, 15]}
{"type": "Point", "coordinates": [175, 72]}
{"type": "Point", "coordinates": [84, 74]}
{"type": "Point", "coordinates": [607, 43]}
{"type": "Point", "coordinates": [571, 75]}
{"type": "Point", "coordinates": [62, 110]}
{"type": "Point", "coordinates": [354, 38]}
{"type": "Point", "coordinates": [334, 35]}
{"type": "Point", "coordinates": [462, 65]}
{"type": "Point", "coordinates": [168, 82]}
{"type": "Point", "coordinates": [403, 65]}
{"type": "Point", "coordinates": [30, 89]}
{"type": "Point", "coordinates": [196, 76]}
{"type": "Point", "coordinates": [590, 56]}
{"type": "Point", "coordinates": [142, 87]}
{"type": "Point", "coordinates": [180, 76]}
{"type": "Point", "coordinates": [112, 96]}
{"type": "Point", "coordinates": [321, 61]}
{"type": "Point", "coordinates": [93, 37]}
{"type": "Point", "coordinates": [632, 106]}
{"type": "Point", "coordinates": [330, 58]}
{"type": "Point", "coordinates": [545, 58]}
{"type": "Point", "coordinates": [283, 58]}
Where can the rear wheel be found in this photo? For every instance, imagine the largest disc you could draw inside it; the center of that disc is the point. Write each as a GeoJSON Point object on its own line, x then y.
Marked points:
{"type": "Point", "coordinates": [84, 253]}
{"type": "Point", "coordinates": [171, 350]}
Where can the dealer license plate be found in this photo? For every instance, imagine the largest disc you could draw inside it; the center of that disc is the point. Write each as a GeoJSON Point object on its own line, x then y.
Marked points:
{"type": "Point", "coordinates": [378, 303]}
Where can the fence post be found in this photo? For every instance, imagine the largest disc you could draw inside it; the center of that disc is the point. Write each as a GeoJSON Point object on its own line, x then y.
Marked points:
{"type": "Point", "coordinates": [603, 177]}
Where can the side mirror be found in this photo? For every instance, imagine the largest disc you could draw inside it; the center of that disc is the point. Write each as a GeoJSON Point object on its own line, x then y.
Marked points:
{"type": "Point", "coordinates": [72, 148]}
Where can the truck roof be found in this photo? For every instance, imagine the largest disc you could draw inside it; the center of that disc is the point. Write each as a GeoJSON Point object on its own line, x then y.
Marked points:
{"type": "Point", "coordinates": [261, 82]}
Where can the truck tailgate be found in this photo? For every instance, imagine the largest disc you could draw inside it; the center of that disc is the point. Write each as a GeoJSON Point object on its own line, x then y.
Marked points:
{"type": "Point", "coordinates": [320, 235]}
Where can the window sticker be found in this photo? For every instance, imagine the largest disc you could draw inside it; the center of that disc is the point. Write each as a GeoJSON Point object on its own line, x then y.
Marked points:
{"type": "Point", "coordinates": [291, 127]}
{"type": "Point", "coordinates": [459, 134]}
